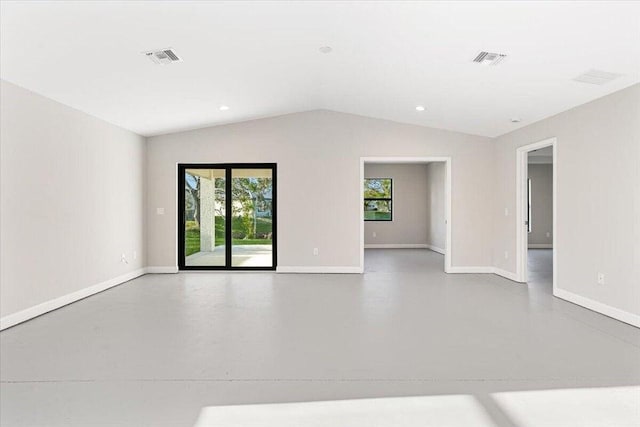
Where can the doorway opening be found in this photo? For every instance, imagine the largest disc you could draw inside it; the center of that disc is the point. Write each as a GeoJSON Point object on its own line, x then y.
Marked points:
{"type": "Point", "coordinates": [405, 204]}
{"type": "Point", "coordinates": [536, 215]}
{"type": "Point", "coordinates": [227, 216]}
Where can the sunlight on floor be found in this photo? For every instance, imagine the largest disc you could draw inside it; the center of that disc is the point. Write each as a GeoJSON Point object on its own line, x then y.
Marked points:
{"type": "Point", "coordinates": [606, 406]}
{"type": "Point", "coordinates": [588, 407]}
{"type": "Point", "coordinates": [427, 411]}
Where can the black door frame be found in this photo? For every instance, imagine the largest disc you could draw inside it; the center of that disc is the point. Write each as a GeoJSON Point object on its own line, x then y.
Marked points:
{"type": "Point", "coordinates": [227, 167]}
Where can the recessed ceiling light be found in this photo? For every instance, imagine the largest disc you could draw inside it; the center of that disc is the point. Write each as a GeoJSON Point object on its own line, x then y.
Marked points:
{"type": "Point", "coordinates": [515, 120]}
{"type": "Point", "coordinates": [420, 108]}
{"type": "Point", "coordinates": [325, 49]}
{"type": "Point", "coordinates": [596, 77]}
{"type": "Point", "coordinates": [224, 107]}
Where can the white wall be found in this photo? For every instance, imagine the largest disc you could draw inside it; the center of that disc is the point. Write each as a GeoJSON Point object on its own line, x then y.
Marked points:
{"type": "Point", "coordinates": [409, 205]}
{"type": "Point", "coordinates": [598, 212]}
{"type": "Point", "coordinates": [53, 157]}
{"type": "Point", "coordinates": [436, 227]}
{"type": "Point", "coordinates": [541, 177]}
{"type": "Point", "coordinates": [71, 198]}
{"type": "Point", "coordinates": [318, 155]}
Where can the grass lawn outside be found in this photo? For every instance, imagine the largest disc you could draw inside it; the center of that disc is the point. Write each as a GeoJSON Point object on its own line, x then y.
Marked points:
{"type": "Point", "coordinates": [377, 216]}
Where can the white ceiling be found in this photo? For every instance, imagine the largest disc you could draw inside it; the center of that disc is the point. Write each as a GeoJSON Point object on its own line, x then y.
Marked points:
{"type": "Point", "coordinates": [262, 59]}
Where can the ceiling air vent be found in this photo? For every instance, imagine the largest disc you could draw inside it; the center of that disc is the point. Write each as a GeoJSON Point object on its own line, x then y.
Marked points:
{"type": "Point", "coordinates": [164, 56]}
{"type": "Point", "coordinates": [489, 58]}
{"type": "Point", "coordinates": [596, 77]}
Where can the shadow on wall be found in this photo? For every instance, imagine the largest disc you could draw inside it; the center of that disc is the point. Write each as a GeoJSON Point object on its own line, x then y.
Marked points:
{"type": "Point", "coordinates": [612, 406]}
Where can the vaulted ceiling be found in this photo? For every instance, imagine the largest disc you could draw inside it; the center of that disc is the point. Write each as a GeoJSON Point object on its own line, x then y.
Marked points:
{"type": "Point", "coordinates": [263, 59]}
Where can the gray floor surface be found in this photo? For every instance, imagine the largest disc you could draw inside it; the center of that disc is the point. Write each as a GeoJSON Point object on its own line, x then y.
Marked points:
{"type": "Point", "coordinates": [157, 350]}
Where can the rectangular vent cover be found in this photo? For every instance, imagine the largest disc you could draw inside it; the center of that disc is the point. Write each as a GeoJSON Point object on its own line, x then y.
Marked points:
{"type": "Point", "coordinates": [489, 58]}
{"type": "Point", "coordinates": [596, 77]}
{"type": "Point", "coordinates": [164, 56]}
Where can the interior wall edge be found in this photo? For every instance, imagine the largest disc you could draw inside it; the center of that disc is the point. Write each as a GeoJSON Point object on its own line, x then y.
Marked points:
{"type": "Point", "coordinates": [54, 304]}
{"type": "Point", "coordinates": [598, 307]}
{"type": "Point", "coordinates": [72, 202]}
{"type": "Point", "coordinates": [605, 128]}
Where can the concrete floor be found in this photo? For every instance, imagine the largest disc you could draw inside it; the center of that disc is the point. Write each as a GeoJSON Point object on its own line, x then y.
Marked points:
{"type": "Point", "coordinates": [540, 270]}
{"type": "Point", "coordinates": [167, 350]}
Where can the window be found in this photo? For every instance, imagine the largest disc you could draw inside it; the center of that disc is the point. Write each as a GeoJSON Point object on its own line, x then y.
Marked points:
{"type": "Point", "coordinates": [377, 199]}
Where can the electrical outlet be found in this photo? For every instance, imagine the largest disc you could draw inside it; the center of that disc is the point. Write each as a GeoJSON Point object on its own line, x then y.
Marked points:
{"type": "Point", "coordinates": [135, 254]}
{"type": "Point", "coordinates": [315, 251]}
{"type": "Point", "coordinates": [506, 254]}
{"type": "Point", "coordinates": [375, 234]}
{"type": "Point", "coordinates": [506, 211]}
{"type": "Point", "coordinates": [600, 278]}
{"type": "Point", "coordinates": [548, 234]}
{"type": "Point", "coordinates": [159, 211]}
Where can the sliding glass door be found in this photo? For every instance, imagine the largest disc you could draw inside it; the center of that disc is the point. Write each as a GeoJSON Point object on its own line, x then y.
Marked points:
{"type": "Point", "coordinates": [228, 214]}
{"type": "Point", "coordinates": [252, 210]}
{"type": "Point", "coordinates": [204, 216]}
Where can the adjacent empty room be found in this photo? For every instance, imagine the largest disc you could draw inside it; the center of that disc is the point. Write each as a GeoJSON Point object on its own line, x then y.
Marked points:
{"type": "Point", "coordinates": [406, 206]}
{"type": "Point", "coordinates": [319, 213]}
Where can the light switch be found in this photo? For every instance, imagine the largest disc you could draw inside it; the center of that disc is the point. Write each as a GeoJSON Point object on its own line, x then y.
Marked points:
{"type": "Point", "coordinates": [159, 211]}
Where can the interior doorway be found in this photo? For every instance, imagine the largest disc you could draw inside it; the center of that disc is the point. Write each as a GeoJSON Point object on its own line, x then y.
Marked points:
{"type": "Point", "coordinates": [540, 218]}
{"type": "Point", "coordinates": [228, 216]}
{"type": "Point", "coordinates": [536, 214]}
{"type": "Point", "coordinates": [405, 204]}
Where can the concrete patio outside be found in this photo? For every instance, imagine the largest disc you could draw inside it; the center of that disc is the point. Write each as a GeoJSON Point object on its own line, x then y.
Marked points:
{"type": "Point", "coordinates": [242, 256]}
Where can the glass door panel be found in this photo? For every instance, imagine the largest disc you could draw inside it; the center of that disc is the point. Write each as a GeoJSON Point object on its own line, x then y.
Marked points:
{"type": "Point", "coordinates": [204, 217]}
{"type": "Point", "coordinates": [252, 216]}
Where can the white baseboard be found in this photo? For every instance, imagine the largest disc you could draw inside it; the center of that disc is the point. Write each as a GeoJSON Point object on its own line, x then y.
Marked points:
{"type": "Point", "coordinates": [540, 246]}
{"type": "Point", "coordinates": [162, 269]}
{"type": "Point", "coordinates": [607, 310]}
{"type": "Point", "coordinates": [478, 269]}
{"type": "Point", "coordinates": [396, 246]}
{"type": "Point", "coordinates": [506, 274]}
{"type": "Point", "coordinates": [435, 249]}
{"type": "Point", "coordinates": [484, 270]}
{"type": "Point", "coordinates": [404, 246]}
{"type": "Point", "coordinates": [47, 306]}
{"type": "Point", "coordinates": [318, 269]}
